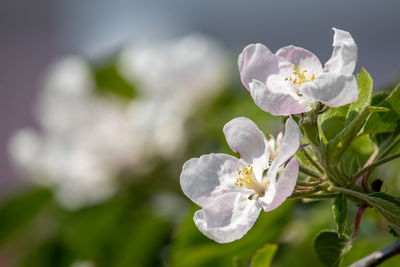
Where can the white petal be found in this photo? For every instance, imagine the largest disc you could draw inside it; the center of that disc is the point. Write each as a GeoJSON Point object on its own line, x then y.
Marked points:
{"type": "Point", "coordinates": [228, 217]}
{"type": "Point", "coordinates": [209, 176]}
{"type": "Point", "coordinates": [271, 142]}
{"type": "Point", "coordinates": [244, 137]}
{"type": "Point", "coordinates": [344, 55]}
{"type": "Point", "coordinates": [289, 146]}
{"type": "Point", "coordinates": [283, 188]}
{"type": "Point", "coordinates": [332, 89]}
{"type": "Point", "coordinates": [279, 85]}
{"type": "Point", "coordinates": [300, 56]}
{"type": "Point", "coordinates": [279, 139]}
{"type": "Point", "coordinates": [275, 103]}
{"type": "Point", "coordinates": [257, 62]}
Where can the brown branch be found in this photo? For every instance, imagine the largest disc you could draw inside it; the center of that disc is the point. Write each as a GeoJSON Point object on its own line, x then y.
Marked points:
{"type": "Point", "coordinates": [379, 256]}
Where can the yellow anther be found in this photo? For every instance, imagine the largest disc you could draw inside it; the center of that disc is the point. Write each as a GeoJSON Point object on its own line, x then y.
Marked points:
{"type": "Point", "coordinates": [300, 76]}
{"type": "Point", "coordinates": [248, 179]}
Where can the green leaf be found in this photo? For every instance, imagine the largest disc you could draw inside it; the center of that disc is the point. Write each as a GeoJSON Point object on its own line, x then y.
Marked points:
{"type": "Point", "coordinates": [264, 256]}
{"type": "Point", "coordinates": [20, 210]}
{"type": "Point", "coordinates": [330, 248]}
{"type": "Point", "coordinates": [388, 121]}
{"type": "Point", "coordinates": [335, 119]}
{"type": "Point", "coordinates": [337, 146]}
{"type": "Point", "coordinates": [339, 210]}
{"type": "Point", "coordinates": [365, 85]}
{"type": "Point", "coordinates": [394, 98]}
{"type": "Point", "coordinates": [388, 206]}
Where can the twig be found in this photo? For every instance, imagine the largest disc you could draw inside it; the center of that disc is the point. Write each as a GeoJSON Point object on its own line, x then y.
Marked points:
{"type": "Point", "coordinates": [372, 167]}
{"type": "Point", "coordinates": [310, 183]}
{"type": "Point", "coordinates": [309, 171]}
{"type": "Point", "coordinates": [311, 160]}
{"type": "Point", "coordinates": [389, 148]}
{"type": "Point", "coordinates": [313, 196]}
{"type": "Point", "coordinates": [307, 191]}
{"type": "Point", "coordinates": [363, 180]}
{"type": "Point", "coordinates": [379, 256]}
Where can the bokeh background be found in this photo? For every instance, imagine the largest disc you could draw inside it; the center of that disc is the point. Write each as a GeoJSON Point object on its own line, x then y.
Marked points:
{"type": "Point", "coordinates": [147, 85]}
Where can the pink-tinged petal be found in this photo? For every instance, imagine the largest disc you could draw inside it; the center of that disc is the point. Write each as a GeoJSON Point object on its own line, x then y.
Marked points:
{"type": "Point", "coordinates": [205, 178]}
{"type": "Point", "coordinates": [332, 89]}
{"type": "Point", "coordinates": [244, 137]}
{"type": "Point", "coordinates": [275, 103]}
{"type": "Point", "coordinates": [257, 62]}
{"type": "Point", "coordinates": [283, 188]}
{"type": "Point", "coordinates": [301, 57]}
{"type": "Point", "coordinates": [290, 144]}
{"type": "Point", "coordinates": [344, 55]}
{"type": "Point", "coordinates": [228, 217]}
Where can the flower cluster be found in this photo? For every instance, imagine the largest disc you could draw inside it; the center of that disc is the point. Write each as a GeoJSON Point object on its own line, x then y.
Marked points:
{"type": "Point", "coordinates": [232, 191]}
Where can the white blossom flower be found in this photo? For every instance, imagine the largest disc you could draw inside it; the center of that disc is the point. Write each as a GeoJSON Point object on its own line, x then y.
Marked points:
{"type": "Point", "coordinates": [292, 79]}
{"type": "Point", "coordinates": [233, 191]}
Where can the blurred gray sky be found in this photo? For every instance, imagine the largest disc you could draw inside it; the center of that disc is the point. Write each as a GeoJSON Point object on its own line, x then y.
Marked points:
{"type": "Point", "coordinates": [35, 33]}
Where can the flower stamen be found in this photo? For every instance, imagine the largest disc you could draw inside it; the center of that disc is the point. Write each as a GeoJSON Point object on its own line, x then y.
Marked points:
{"type": "Point", "coordinates": [300, 76]}
{"type": "Point", "coordinates": [248, 179]}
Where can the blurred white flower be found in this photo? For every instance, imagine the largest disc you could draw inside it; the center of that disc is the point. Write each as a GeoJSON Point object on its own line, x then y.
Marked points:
{"type": "Point", "coordinates": [173, 79]}
{"type": "Point", "coordinates": [75, 153]}
{"type": "Point", "coordinates": [188, 70]}
{"type": "Point", "coordinates": [86, 139]}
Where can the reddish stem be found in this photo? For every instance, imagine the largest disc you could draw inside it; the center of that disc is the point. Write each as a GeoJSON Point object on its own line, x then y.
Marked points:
{"type": "Point", "coordinates": [357, 221]}
{"type": "Point", "coordinates": [363, 180]}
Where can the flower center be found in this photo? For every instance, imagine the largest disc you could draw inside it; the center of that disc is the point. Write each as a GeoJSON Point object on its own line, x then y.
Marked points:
{"type": "Point", "coordinates": [300, 76]}
{"type": "Point", "coordinates": [248, 179]}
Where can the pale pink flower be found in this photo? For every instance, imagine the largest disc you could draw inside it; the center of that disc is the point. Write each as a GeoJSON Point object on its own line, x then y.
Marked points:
{"type": "Point", "coordinates": [292, 79]}
{"type": "Point", "coordinates": [232, 191]}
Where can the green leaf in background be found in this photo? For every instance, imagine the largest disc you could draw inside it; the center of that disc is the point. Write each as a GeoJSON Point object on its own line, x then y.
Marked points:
{"type": "Point", "coordinates": [237, 262]}
{"type": "Point", "coordinates": [141, 241]}
{"type": "Point", "coordinates": [335, 119]}
{"type": "Point", "coordinates": [330, 248]}
{"type": "Point", "coordinates": [20, 210]}
{"type": "Point", "coordinates": [339, 210]}
{"type": "Point", "coordinates": [264, 256]}
{"type": "Point", "coordinates": [108, 80]}
{"type": "Point", "coordinates": [388, 121]}
{"type": "Point", "coordinates": [192, 248]}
